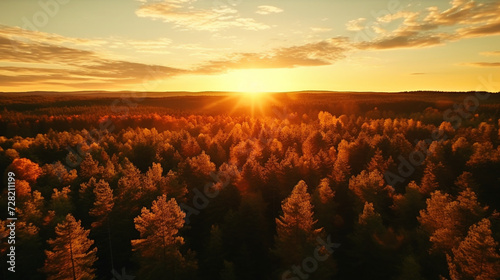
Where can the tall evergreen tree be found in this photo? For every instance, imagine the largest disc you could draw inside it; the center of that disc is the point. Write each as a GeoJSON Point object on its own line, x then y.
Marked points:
{"type": "Point", "coordinates": [373, 246]}
{"type": "Point", "coordinates": [296, 226]}
{"type": "Point", "coordinates": [297, 235]}
{"type": "Point", "coordinates": [103, 202]}
{"type": "Point", "coordinates": [341, 168]}
{"type": "Point", "coordinates": [476, 257]}
{"type": "Point", "coordinates": [324, 204]}
{"type": "Point", "coordinates": [71, 256]}
{"type": "Point", "coordinates": [447, 220]}
{"type": "Point", "coordinates": [158, 249]}
{"type": "Point", "coordinates": [61, 203]}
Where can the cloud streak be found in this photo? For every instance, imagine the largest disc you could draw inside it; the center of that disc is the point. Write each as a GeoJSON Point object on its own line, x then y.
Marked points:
{"type": "Point", "coordinates": [184, 16]}
{"type": "Point", "coordinates": [483, 64]}
{"type": "Point", "coordinates": [492, 53]}
{"type": "Point", "coordinates": [319, 53]}
{"type": "Point", "coordinates": [266, 10]}
{"type": "Point", "coordinates": [431, 27]}
{"type": "Point", "coordinates": [37, 58]}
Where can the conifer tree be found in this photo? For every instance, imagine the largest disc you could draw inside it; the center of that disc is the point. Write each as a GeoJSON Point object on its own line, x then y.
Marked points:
{"type": "Point", "coordinates": [31, 210]}
{"type": "Point", "coordinates": [373, 246]}
{"type": "Point", "coordinates": [103, 202]}
{"type": "Point", "coordinates": [325, 206]}
{"type": "Point", "coordinates": [296, 232]}
{"type": "Point", "coordinates": [378, 162]}
{"type": "Point", "coordinates": [71, 256]}
{"type": "Point", "coordinates": [61, 203]}
{"type": "Point", "coordinates": [429, 181]}
{"type": "Point", "coordinates": [158, 249]}
{"type": "Point", "coordinates": [447, 220]}
{"type": "Point", "coordinates": [476, 257]}
{"type": "Point", "coordinates": [341, 168]}
{"type": "Point", "coordinates": [89, 168]}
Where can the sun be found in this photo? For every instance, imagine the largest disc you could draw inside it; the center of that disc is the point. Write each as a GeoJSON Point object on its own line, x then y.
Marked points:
{"type": "Point", "coordinates": [253, 95]}
{"type": "Point", "coordinates": [253, 91]}
{"type": "Point", "coordinates": [253, 86]}
{"type": "Point", "coordinates": [256, 103]}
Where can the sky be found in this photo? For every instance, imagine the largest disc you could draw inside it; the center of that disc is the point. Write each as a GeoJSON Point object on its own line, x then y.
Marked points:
{"type": "Point", "coordinates": [249, 45]}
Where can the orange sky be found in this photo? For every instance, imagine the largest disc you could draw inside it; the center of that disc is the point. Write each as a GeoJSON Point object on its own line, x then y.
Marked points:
{"type": "Point", "coordinates": [243, 45]}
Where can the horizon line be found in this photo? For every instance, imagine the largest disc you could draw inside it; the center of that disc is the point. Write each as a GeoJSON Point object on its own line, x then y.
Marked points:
{"type": "Point", "coordinates": [219, 92]}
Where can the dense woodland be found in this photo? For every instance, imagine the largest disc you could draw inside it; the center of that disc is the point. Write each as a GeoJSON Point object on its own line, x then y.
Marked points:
{"type": "Point", "coordinates": [312, 186]}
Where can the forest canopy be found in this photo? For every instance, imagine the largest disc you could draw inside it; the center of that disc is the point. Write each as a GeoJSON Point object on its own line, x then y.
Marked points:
{"type": "Point", "coordinates": [311, 185]}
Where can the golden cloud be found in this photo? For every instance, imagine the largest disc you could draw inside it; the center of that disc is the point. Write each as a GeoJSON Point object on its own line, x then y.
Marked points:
{"type": "Point", "coordinates": [183, 15]}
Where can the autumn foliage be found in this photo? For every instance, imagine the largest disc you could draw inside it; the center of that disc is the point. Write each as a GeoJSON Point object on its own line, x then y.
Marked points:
{"type": "Point", "coordinates": [185, 193]}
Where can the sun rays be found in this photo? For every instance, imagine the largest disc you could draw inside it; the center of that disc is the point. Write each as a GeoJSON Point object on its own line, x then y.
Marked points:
{"type": "Point", "coordinates": [256, 103]}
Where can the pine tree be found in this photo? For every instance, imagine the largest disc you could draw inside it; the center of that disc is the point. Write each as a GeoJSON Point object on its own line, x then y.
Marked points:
{"type": "Point", "coordinates": [369, 217]}
{"type": "Point", "coordinates": [174, 187]}
{"type": "Point", "coordinates": [440, 220]}
{"type": "Point", "coordinates": [465, 181]}
{"type": "Point", "coordinates": [341, 168]}
{"type": "Point", "coordinates": [31, 209]}
{"type": "Point", "coordinates": [61, 203]}
{"type": "Point", "coordinates": [90, 168]}
{"type": "Point", "coordinates": [56, 175]}
{"type": "Point", "coordinates": [476, 256]}
{"type": "Point", "coordinates": [370, 187]}
{"type": "Point", "coordinates": [296, 226]}
{"type": "Point", "coordinates": [71, 256]}
{"type": "Point", "coordinates": [109, 171]}
{"type": "Point", "coordinates": [408, 205]}
{"type": "Point", "coordinates": [159, 247]}
{"type": "Point", "coordinates": [447, 220]}
{"type": "Point", "coordinates": [378, 162]}
{"type": "Point", "coordinates": [86, 195]}
{"type": "Point", "coordinates": [23, 191]}
{"type": "Point", "coordinates": [429, 181]}
{"type": "Point", "coordinates": [103, 202]}
{"type": "Point", "coordinates": [324, 192]}
{"type": "Point", "coordinates": [129, 187]}
{"type": "Point", "coordinates": [373, 246]}
{"type": "Point", "coordinates": [325, 206]}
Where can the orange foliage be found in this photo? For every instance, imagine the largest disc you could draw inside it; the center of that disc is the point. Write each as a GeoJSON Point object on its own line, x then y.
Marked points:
{"type": "Point", "coordinates": [25, 169]}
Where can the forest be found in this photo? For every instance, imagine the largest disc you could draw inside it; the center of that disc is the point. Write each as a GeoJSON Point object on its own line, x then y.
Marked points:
{"type": "Point", "coordinates": [304, 185]}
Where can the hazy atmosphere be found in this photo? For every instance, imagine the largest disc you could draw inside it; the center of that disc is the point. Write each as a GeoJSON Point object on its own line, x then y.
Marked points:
{"type": "Point", "coordinates": [242, 45]}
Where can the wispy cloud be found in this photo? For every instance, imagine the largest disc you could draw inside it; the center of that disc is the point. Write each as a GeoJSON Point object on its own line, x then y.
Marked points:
{"type": "Point", "coordinates": [35, 57]}
{"type": "Point", "coordinates": [38, 60]}
{"type": "Point", "coordinates": [319, 53]}
{"type": "Point", "coordinates": [321, 29]}
{"type": "Point", "coordinates": [434, 27]}
{"type": "Point", "coordinates": [492, 53]}
{"type": "Point", "coordinates": [183, 15]}
{"type": "Point", "coordinates": [356, 24]}
{"type": "Point", "coordinates": [266, 10]}
{"type": "Point", "coordinates": [20, 35]}
{"type": "Point", "coordinates": [158, 46]}
{"type": "Point", "coordinates": [483, 64]}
